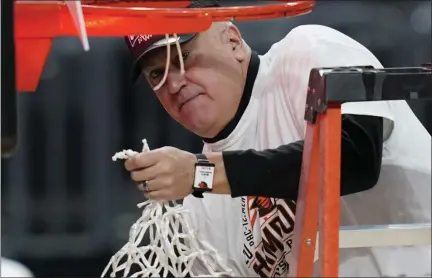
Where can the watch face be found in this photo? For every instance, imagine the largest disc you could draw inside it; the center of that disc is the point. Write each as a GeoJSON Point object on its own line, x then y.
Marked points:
{"type": "Point", "coordinates": [203, 177]}
{"type": "Point", "coordinates": [203, 184]}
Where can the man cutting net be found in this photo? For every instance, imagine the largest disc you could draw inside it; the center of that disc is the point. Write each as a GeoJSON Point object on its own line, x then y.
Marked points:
{"type": "Point", "coordinates": [248, 109]}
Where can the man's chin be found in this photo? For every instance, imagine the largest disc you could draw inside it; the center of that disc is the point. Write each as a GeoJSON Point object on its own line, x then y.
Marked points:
{"type": "Point", "coordinates": [202, 129]}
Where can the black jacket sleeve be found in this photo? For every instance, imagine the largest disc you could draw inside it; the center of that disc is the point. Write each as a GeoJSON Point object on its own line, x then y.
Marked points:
{"type": "Point", "coordinates": [276, 172]}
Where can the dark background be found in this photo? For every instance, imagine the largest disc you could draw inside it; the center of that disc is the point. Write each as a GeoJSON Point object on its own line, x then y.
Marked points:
{"type": "Point", "coordinates": [66, 207]}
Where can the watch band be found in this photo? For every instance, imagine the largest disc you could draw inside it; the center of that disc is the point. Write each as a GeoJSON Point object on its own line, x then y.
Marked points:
{"type": "Point", "coordinates": [203, 179]}
{"type": "Point", "coordinates": [201, 156]}
{"type": "Point", "coordinates": [197, 194]}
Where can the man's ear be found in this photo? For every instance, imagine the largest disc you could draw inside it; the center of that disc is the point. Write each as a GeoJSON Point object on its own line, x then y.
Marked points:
{"type": "Point", "coordinates": [236, 42]}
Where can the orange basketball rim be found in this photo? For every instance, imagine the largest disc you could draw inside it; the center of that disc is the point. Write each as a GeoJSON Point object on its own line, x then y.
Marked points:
{"type": "Point", "coordinates": [38, 22]}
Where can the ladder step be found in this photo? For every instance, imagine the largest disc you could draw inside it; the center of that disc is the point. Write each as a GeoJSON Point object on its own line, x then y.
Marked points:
{"type": "Point", "coordinates": [382, 235]}
{"type": "Point", "coordinates": [385, 235]}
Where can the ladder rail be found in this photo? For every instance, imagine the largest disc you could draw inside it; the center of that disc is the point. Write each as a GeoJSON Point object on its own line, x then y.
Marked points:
{"type": "Point", "coordinates": [329, 205]}
{"type": "Point", "coordinates": [321, 148]}
{"type": "Point", "coordinates": [328, 88]}
{"type": "Point", "coordinates": [307, 204]}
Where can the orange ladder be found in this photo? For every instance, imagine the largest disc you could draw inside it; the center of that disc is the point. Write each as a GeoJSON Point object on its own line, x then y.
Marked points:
{"type": "Point", "coordinates": [318, 203]}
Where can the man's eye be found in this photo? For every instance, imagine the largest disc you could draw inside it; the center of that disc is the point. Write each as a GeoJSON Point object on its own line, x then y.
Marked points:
{"type": "Point", "coordinates": [154, 74]}
{"type": "Point", "coordinates": [185, 55]}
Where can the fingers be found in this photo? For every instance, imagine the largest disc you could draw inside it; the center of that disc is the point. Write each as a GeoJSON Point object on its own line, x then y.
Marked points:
{"type": "Point", "coordinates": [155, 191]}
{"type": "Point", "coordinates": [156, 184]}
{"type": "Point", "coordinates": [163, 190]}
{"type": "Point", "coordinates": [146, 174]}
{"type": "Point", "coordinates": [161, 195]}
{"type": "Point", "coordinates": [142, 160]}
{"type": "Point", "coordinates": [151, 185]}
{"type": "Point", "coordinates": [142, 186]}
{"type": "Point", "coordinates": [163, 174]}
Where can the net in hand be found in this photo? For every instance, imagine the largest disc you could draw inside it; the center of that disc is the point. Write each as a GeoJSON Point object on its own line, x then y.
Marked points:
{"type": "Point", "coordinates": [173, 247]}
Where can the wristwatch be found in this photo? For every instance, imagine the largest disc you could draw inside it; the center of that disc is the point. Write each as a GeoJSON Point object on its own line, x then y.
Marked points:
{"type": "Point", "coordinates": [203, 178]}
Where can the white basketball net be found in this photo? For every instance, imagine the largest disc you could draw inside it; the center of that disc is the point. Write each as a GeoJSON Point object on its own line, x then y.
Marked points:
{"type": "Point", "coordinates": [173, 247]}
{"type": "Point", "coordinates": [168, 59]}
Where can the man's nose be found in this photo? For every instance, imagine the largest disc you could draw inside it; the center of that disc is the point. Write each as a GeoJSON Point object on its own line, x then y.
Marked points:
{"type": "Point", "coordinates": [175, 81]}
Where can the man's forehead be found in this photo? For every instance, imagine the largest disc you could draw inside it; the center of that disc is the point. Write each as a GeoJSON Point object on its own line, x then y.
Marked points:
{"type": "Point", "coordinates": [158, 56]}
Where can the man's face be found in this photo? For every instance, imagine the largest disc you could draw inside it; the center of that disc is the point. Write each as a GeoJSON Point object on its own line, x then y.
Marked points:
{"type": "Point", "coordinates": [206, 97]}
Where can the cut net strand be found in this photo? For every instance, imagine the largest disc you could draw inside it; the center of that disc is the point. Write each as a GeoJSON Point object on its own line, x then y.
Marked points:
{"type": "Point", "coordinates": [168, 59]}
{"type": "Point", "coordinates": [173, 248]}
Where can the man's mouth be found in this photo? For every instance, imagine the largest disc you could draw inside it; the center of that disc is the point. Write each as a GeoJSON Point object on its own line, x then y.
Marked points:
{"type": "Point", "coordinates": [187, 101]}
